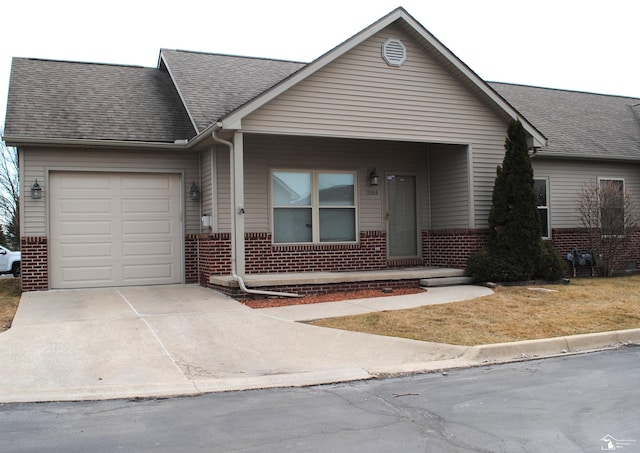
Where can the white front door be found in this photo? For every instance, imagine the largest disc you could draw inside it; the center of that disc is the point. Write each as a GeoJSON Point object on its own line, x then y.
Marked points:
{"type": "Point", "coordinates": [114, 229]}
{"type": "Point", "coordinates": [402, 233]}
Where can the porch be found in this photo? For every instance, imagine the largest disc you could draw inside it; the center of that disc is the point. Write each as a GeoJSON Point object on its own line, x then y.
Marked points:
{"type": "Point", "coordinates": [326, 282]}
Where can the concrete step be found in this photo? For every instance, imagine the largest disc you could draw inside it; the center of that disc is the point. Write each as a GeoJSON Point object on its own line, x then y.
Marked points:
{"type": "Point", "coordinates": [446, 281]}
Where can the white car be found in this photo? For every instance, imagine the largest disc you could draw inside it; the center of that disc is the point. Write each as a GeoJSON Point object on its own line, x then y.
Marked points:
{"type": "Point", "coordinates": [9, 262]}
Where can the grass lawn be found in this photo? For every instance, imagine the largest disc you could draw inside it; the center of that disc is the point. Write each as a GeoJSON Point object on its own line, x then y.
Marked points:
{"type": "Point", "coordinates": [10, 291]}
{"type": "Point", "coordinates": [513, 313]}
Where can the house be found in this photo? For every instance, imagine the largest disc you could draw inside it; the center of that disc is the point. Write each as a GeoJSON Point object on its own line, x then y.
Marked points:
{"type": "Point", "coordinates": [218, 169]}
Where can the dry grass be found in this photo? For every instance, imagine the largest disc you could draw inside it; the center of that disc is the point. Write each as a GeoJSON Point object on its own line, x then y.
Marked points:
{"type": "Point", "coordinates": [513, 313]}
{"type": "Point", "coordinates": [10, 291]}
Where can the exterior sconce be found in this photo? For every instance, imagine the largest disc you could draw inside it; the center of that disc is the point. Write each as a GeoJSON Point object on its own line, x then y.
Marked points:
{"type": "Point", "coordinates": [373, 178]}
{"type": "Point", "coordinates": [194, 192]}
{"type": "Point", "coordinates": [36, 191]}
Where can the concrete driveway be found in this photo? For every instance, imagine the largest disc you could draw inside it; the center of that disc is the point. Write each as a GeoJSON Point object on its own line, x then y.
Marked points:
{"type": "Point", "coordinates": [181, 340]}
{"type": "Point", "coordinates": [186, 340]}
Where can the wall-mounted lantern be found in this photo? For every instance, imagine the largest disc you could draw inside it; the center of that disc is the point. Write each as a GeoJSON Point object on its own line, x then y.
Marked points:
{"type": "Point", "coordinates": [36, 191]}
{"type": "Point", "coordinates": [374, 179]}
{"type": "Point", "coordinates": [194, 192]}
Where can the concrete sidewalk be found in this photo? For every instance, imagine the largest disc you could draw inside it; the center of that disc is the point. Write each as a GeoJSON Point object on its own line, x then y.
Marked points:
{"type": "Point", "coordinates": [186, 340]}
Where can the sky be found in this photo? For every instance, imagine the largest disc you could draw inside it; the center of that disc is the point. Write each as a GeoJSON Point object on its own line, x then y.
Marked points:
{"type": "Point", "coordinates": [582, 45]}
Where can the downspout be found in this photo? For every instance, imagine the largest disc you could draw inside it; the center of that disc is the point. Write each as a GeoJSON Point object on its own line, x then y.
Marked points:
{"type": "Point", "coordinates": [234, 241]}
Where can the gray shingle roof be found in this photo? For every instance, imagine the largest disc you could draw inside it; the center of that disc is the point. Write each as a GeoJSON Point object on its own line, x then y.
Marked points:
{"type": "Point", "coordinates": [56, 99]}
{"type": "Point", "coordinates": [579, 124]}
{"type": "Point", "coordinates": [213, 85]}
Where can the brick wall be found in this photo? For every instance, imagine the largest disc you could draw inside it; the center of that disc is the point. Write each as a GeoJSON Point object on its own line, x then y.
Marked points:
{"type": "Point", "coordinates": [566, 239]}
{"type": "Point", "coordinates": [35, 263]}
{"type": "Point", "coordinates": [451, 247]}
{"type": "Point", "coordinates": [264, 257]}
{"type": "Point", "coordinates": [323, 289]}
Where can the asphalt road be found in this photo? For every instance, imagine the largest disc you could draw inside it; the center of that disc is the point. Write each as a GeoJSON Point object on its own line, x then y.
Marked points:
{"type": "Point", "coordinates": [579, 403]}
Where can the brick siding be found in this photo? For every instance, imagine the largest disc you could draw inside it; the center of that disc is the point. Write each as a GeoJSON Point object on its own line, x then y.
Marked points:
{"type": "Point", "coordinates": [451, 247]}
{"type": "Point", "coordinates": [35, 263]}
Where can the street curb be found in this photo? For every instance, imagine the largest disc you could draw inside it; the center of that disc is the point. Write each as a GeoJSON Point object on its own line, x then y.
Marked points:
{"type": "Point", "coordinates": [548, 347]}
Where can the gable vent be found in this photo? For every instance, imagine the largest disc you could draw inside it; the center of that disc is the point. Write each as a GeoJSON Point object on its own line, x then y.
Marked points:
{"type": "Point", "coordinates": [394, 52]}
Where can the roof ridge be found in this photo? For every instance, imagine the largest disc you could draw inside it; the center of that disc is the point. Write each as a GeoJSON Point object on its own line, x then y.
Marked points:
{"type": "Point", "coordinates": [563, 89]}
{"type": "Point", "coordinates": [282, 60]}
{"type": "Point", "coordinates": [54, 60]}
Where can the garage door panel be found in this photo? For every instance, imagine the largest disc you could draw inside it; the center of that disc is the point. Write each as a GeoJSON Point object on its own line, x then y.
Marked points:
{"type": "Point", "coordinates": [144, 249]}
{"type": "Point", "coordinates": [147, 275]}
{"type": "Point", "coordinates": [86, 228]}
{"type": "Point", "coordinates": [115, 229]}
{"type": "Point", "coordinates": [86, 249]}
{"type": "Point", "coordinates": [85, 181]}
{"type": "Point", "coordinates": [85, 207]}
{"type": "Point", "coordinates": [89, 275]}
{"type": "Point", "coordinates": [149, 227]}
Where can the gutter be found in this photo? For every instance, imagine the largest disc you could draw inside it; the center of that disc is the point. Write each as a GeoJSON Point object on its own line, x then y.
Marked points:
{"type": "Point", "coordinates": [178, 145]}
{"type": "Point", "coordinates": [234, 213]}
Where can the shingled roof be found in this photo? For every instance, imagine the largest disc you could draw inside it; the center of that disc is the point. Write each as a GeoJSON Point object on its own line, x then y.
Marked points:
{"type": "Point", "coordinates": [66, 100]}
{"type": "Point", "coordinates": [578, 124]}
{"type": "Point", "coordinates": [213, 85]}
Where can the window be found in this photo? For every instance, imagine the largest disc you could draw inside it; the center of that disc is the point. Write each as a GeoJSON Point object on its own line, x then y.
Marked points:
{"type": "Point", "coordinates": [611, 206]}
{"type": "Point", "coordinates": [540, 186]}
{"type": "Point", "coordinates": [313, 206]}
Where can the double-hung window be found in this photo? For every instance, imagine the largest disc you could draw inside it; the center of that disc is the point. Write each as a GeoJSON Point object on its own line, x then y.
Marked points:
{"type": "Point", "coordinates": [612, 206]}
{"type": "Point", "coordinates": [541, 188]}
{"type": "Point", "coordinates": [313, 206]}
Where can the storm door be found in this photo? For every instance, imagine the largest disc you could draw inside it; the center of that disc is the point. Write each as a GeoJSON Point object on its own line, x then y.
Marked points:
{"type": "Point", "coordinates": [402, 234]}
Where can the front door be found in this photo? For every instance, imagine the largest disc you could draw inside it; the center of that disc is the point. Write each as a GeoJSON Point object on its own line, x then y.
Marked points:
{"type": "Point", "coordinates": [402, 235]}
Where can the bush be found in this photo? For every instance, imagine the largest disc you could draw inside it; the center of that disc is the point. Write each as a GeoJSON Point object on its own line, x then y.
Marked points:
{"type": "Point", "coordinates": [485, 266]}
{"type": "Point", "coordinates": [551, 266]}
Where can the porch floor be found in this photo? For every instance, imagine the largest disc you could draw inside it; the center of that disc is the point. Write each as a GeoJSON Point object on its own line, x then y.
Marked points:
{"type": "Point", "coordinates": [329, 278]}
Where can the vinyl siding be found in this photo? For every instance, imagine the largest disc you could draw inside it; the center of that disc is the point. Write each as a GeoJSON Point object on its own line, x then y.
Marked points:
{"type": "Point", "coordinates": [359, 96]}
{"type": "Point", "coordinates": [449, 186]}
{"type": "Point", "coordinates": [37, 162]}
{"type": "Point", "coordinates": [566, 178]}
{"type": "Point", "coordinates": [264, 153]}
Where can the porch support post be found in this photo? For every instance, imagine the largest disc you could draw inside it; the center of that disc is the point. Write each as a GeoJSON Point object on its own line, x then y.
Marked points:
{"type": "Point", "coordinates": [470, 191]}
{"type": "Point", "coordinates": [237, 207]}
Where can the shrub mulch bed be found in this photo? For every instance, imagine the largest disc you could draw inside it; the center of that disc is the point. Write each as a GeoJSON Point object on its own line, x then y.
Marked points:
{"type": "Point", "coordinates": [327, 297]}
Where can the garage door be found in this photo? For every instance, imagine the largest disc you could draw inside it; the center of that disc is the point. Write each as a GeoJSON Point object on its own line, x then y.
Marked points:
{"type": "Point", "coordinates": [114, 229]}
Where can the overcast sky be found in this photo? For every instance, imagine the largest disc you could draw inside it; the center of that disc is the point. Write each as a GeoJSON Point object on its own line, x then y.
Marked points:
{"type": "Point", "coordinates": [583, 45]}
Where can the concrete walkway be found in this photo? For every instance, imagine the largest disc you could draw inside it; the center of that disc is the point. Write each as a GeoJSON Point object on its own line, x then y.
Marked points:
{"type": "Point", "coordinates": [187, 340]}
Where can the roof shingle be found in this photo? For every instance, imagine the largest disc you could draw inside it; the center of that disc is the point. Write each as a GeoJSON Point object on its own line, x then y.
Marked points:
{"type": "Point", "coordinates": [579, 124]}
{"type": "Point", "coordinates": [213, 85]}
{"type": "Point", "coordinates": [57, 99]}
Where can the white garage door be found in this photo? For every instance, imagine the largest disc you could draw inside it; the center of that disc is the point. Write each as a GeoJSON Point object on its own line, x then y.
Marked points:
{"type": "Point", "coordinates": [114, 229]}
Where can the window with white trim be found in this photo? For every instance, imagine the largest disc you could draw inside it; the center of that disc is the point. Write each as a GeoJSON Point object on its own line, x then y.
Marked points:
{"type": "Point", "coordinates": [313, 206]}
{"type": "Point", "coordinates": [612, 206]}
{"type": "Point", "coordinates": [541, 188]}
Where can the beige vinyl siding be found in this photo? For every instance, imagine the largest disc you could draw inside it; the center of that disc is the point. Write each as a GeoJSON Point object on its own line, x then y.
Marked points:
{"type": "Point", "coordinates": [360, 96]}
{"type": "Point", "coordinates": [207, 188]}
{"type": "Point", "coordinates": [264, 153]}
{"type": "Point", "coordinates": [449, 188]}
{"type": "Point", "coordinates": [38, 162]}
{"type": "Point", "coordinates": [223, 176]}
{"type": "Point", "coordinates": [566, 177]}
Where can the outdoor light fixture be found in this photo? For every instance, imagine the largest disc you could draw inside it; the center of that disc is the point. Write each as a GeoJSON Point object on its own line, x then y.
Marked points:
{"type": "Point", "coordinates": [373, 178]}
{"type": "Point", "coordinates": [194, 192]}
{"type": "Point", "coordinates": [36, 191]}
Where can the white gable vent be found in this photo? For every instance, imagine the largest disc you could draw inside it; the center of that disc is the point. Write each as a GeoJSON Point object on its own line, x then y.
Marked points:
{"type": "Point", "coordinates": [394, 52]}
